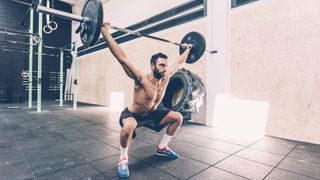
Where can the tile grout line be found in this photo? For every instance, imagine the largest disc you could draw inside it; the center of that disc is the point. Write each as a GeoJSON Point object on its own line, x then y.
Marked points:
{"type": "Point", "coordinates": [299, 174]}
{"type": "Point", "coordinates": [213, 165]}
{"type": "Point", "coordinates": [280, 161]}
{"type": "Point", "coordinates": [26, 160]}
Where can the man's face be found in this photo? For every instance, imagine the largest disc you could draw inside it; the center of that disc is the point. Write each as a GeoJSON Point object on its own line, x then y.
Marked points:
{"type": "Point", "coordinates": [160, 68]}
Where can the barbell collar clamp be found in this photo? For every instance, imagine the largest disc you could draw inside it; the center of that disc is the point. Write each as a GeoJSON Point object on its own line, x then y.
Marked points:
{"type": "Point", "coordinates": [212, 51]}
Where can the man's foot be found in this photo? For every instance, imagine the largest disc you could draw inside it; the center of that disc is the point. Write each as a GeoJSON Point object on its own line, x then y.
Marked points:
{"type": "Point", "coordinates": [123, 168]}
{"type": "Point", "coordinates": [167, 152]}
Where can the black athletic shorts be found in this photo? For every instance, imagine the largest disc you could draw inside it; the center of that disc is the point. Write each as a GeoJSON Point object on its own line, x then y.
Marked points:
{"type": "Point", "coordinates": [151, 120]}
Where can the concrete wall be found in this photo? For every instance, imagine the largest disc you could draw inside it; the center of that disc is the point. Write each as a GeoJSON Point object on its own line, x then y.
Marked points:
{"type": "Point", "coordinates": [275, 58]}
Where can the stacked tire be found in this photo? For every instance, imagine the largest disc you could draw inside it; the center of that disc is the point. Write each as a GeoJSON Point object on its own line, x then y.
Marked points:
{"type": "Point", "coordinates": [184, 93]}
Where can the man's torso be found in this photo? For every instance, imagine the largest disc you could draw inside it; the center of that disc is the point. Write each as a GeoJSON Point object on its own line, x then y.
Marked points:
{"type": "Point", "coordinates": [147, 96]}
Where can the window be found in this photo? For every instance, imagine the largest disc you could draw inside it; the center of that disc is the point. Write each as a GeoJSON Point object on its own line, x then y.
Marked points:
{"type": "Point", "coordinates": [236, 3]}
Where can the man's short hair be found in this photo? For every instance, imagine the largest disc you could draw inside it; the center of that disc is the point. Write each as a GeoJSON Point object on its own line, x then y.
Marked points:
{"type": "Point", "coordinates": [155, 57]}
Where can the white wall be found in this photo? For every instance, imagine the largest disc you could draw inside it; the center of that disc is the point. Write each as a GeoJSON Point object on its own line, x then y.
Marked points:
{"type": "Point", "coordinates": [275, 58]}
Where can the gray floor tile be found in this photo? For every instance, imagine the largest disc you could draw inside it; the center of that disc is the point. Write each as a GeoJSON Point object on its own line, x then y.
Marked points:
{"type": "Point", "coordinates": [147, 173]}
{"type": "Point", "coordinates": [8, 144]}
{"type": "Point", "coordinates": [215, 173]}
{"type": "Point", "coordinates": [55, 163]}
{"type": "Point", "coordinates": [307, 152]}
{"type": "Point", "coordinates": [16, 171]}
{"type": "Point", "coordinates": [79, 172]}
{"type": "Point", "coordinates": [198, 129]}
{"type": "Point", "coordinates": [244, 167]}
{"type": "Point", "coordinates": [278, 174]}
{"type": "Point", "coordinates": [112, 139]}
{"type": "Point", "coordinates": [138, 169]}
{"type": "Point", "coordinates": [238, 139]}
{"type": "Point", "coordinates": [97, 153]}
{"type": "Point", "coordinates": [108, 166]}
{"type": "Point", "coordinates": [48, 151]}
{"type": "Point", "coordinates": [205, 155]}
{"type": "Point", "coordinates": [135, 144]}
{"type": "Point", "coordinates": [301, 167]}
{"type": "Point", "coordinates": [182, 168]}
{"type": "Point", "coordinates": [224, 146]}
{"type": "Point", "coordinates": [263, 157]}
{"type": "Point", "coordinates": [97, 131]}
{"type": "Point", "coordinates": [275, 145]}
{"type": "Point", "coordinates": [84, 143]}
{"type": "Point", "coordinates": [78, 123]}
{"type": "Point", "coordinates": [147, 154]}
{"type": "Point", "coordinates": [70, 134]}
{"type": "Point", "coordinates": [151, 137]}
{"type": "Point", "coordinates": [5, 133]}
{"type": "Point", "coordinates": [11, 157]}
{"type": "Point", "coordinates": [180, 146]}
{"type": "Point", "coordinates": [191, 138]}
{"type": "Point", "coordinates": [37, 143]}
{"type": "Point", "coordinates": [3, 125]}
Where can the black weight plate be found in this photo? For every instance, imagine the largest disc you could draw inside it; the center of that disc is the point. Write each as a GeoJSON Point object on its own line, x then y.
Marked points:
{"type": "Point", "coordinates": [199, 46]}
{"type": "Point", "coordinates": [93, 10]}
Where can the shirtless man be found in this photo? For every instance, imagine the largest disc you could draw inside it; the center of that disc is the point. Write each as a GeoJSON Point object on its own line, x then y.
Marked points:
{"type": "Point", "coordinates": [149, 90]}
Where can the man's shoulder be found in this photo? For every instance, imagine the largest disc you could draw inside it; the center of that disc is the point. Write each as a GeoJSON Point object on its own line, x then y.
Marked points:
{"type": "Point", "coordinates": [143, 78]}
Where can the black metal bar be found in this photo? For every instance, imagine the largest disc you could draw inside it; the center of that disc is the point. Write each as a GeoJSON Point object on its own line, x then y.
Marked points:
{"type": "Point", "coordinates": [14, 42]}
{"type": "Point", "coordinates": [17, 32]}
{"type": "Point", "coordinates": [24, 18]}
{"type": "Point", "coordinates": [24, 43]}
{"type": "Point", "coordinates": [143, 35]}
{"type": "Point", "coordinates": [22, 2]}
{"type": "Point", "coordinates": [14, 49]}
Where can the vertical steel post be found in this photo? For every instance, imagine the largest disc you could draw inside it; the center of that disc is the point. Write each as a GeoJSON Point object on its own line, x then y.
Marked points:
{"type": "Point", "coordinates": [39, 61]}
{"type": "Point", "coordinates": [75, 82]}
{"type": "Point", "coordinates": [30, 59]}
{"type": "Point", "coordinates": [61, 77]}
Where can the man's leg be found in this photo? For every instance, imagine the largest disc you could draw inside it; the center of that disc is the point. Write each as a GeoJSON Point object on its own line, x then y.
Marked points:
{"type": "Point", "coordinates": [129, 125]}
{"type": "Point", "coordinates": [174, 119]}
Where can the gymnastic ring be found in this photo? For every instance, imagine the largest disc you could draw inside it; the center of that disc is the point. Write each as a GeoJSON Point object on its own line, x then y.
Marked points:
{"type": "Point", "coordinates": [47, 29]}
{"type": "Point", "coordinates": [53, 25]}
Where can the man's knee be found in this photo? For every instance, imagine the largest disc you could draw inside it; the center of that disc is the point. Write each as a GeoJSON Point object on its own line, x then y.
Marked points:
{"type": "Point", "coordinates": [179, 118]}
{"type": "Point", "coordinates": [128, 127]}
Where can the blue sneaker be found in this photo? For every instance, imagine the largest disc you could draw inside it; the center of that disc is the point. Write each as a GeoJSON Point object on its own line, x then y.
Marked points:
{"type": "Point", "coordinates": [123, 168]}
{"type": "Point", "coordinates": [167, 152]}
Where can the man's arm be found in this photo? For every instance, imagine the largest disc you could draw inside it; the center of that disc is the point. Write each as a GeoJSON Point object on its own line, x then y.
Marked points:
{"type": "Point", "coordinates": [180, 61]}
{"type": "Point", "coordinates": [119, 54]}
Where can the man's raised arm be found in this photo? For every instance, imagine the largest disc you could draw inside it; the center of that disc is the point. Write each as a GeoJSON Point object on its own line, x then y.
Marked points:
{"type": "Point", "coordinates": [119, 54]}
{"type": "Point", "coordinates": [180, 61]}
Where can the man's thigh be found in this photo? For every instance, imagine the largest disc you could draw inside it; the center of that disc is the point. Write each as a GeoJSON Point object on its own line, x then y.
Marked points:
{"type": "Point", "coordinates": [170, 117]}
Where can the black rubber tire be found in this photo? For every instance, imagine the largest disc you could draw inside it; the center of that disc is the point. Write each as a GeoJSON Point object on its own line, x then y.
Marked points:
{"type": "Point", "coordinates": [184, 94]}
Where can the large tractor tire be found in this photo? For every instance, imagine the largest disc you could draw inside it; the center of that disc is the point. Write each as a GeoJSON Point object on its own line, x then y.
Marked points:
{"type": "Point", "coordinates": [184, 93]}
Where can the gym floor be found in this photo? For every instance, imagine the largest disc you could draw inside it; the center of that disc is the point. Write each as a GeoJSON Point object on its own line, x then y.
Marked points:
{"type": "Point", "coordinates": [61, 143]}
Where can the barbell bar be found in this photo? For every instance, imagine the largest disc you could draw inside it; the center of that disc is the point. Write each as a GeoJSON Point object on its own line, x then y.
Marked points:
{"type": "Point", "coordinates": [91, 20]}
{"type": "Point", "coordinates": [152, 37]}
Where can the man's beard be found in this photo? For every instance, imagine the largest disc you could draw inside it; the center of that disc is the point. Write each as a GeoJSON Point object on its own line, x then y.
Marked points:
{"type": "Point", "coordinates": [157, 74]}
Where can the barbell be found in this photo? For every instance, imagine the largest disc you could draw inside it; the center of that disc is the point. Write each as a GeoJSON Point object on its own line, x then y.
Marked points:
{"type": "Point", "coordinates": [91, 20]}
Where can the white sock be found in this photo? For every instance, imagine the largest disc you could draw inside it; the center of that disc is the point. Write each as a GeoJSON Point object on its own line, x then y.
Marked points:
{"type": "Point", "coordinates": [123, 152]}
{"type": "Point", "coordinates": [165, 140]}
